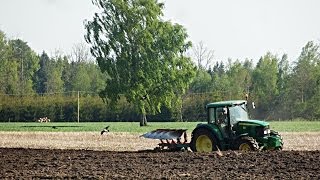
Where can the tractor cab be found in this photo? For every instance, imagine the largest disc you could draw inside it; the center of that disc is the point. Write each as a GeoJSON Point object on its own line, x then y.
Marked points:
{"type": "Point", "coordinates": [226, 115]}
{"type": "Point", "coordinates": [228, 112]}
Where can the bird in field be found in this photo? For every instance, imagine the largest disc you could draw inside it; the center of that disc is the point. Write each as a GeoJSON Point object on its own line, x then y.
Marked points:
{"type": "Point", "coordinates": [106, 129]}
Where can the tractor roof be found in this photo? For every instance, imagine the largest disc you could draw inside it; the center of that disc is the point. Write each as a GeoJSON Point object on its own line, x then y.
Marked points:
{"type": "Point", "coordinates": [225, 103]}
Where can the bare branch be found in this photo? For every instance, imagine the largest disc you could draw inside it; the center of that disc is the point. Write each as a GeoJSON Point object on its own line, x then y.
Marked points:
{"type": "Point", "coordinates": [202, 55]}
{"type": "Point", "coordinates": [80, 53]}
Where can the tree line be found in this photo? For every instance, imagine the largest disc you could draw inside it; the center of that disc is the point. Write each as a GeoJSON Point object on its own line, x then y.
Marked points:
{"type": "Point", "coordinates": [281, 88]}
{"type": "Point", "coordinates": [23, 71]}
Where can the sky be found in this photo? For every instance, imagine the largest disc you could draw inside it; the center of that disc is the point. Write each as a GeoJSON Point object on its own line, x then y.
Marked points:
{"type": "Point", "coordinates": [235, 29]}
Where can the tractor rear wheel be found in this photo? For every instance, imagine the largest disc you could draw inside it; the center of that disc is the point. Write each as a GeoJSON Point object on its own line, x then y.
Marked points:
{"type": "Point", "coordinates": [247, 144]}
{"type": "Point", "coordinates": [203, 140]}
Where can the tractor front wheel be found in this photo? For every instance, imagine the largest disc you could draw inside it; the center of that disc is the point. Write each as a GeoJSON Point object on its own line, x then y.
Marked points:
{"type": "Point", "coordinates": [203, 140]}
{"type": "Point", "coordinates": [246, 144]}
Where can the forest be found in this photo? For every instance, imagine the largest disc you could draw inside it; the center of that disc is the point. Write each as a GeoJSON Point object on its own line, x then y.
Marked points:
{"type": "Point", "coordinates": [37, 85]}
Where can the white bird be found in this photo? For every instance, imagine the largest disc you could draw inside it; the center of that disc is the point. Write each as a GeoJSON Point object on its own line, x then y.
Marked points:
{"type": "Point", "coordinates": [106, 129]}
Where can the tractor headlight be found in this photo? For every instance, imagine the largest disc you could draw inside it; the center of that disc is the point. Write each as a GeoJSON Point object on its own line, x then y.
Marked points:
{"type": "Point", "coordinates": [266, 131]}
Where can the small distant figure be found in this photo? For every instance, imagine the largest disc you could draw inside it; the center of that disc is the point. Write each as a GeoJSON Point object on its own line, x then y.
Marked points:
{"type": "Point", "coordinates": [44, 119]}
{"type": "Point", "coordinates": [106, 129]}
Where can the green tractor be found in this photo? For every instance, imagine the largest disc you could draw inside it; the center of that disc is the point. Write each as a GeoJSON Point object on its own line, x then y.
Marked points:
{"type": "Point", "coordinates": [228, 128]}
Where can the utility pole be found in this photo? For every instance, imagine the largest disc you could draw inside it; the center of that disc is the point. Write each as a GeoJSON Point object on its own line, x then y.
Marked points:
{"type": "Point", "coordinates": [78, 107]}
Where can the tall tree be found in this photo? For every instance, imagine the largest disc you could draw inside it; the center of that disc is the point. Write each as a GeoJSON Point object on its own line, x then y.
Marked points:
{"type": "Point", "coordinates": [85, 74]}
{"type": "Point", "coordinates": [96, 77]}
{"type": "Point", "coordinates": [219, 80]}
{"type": "Point", "coordinates": [218, 69]}
{"type": "Point", "coordinates": [304, 80]}
{"type": "Point", "coordinates": [305, 70]}
{"type": "Point", "coordinates": [41, 76]}
{"type": "Point", "coordinates": [142, 54]}
{"type": "Point", "coordinates": [283, 68]}
{"type": "Point", "coordinates": [81, 80]}
{"type": "Point", "coordinates": [54, 77]}
{"type": "Point", "coordinates": [3, 59]}
{"type": "Point", "coordinates": [202, 82]}
{"type": "Point", "coordinates": [68, 73]}
{"type": "Point", "coordinates": [9, 78]}
{"type": "Point", "coordinates": [239, 78]}
{"type": "Point", "coordinates": [48, 78]}
{"type": "Point", "coordinates": [264, 78]}
{"type": "Point", "coordinates": [28, 64]}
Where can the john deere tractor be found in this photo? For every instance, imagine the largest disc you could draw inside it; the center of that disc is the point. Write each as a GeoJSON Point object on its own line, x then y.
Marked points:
{"type": "Point", "coordinates": [228, 128]}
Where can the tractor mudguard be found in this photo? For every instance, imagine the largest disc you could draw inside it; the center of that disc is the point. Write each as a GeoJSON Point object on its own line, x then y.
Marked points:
{"type": "Point", "coordinates": [240, 136]}
{"type": "Point", "coordinates": [210, 127]}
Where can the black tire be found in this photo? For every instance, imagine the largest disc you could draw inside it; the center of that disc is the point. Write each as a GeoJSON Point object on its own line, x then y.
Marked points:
{"type": "Point", "coordinates": [206, 138]}
{"type": "Point", "coordinates": [246, 144]}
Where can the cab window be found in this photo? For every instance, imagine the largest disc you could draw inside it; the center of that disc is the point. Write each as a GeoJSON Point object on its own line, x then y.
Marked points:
{"type": "Point", "coordinates": [211, 115]}
{"type": "Point", "coordinates": [221, 115]}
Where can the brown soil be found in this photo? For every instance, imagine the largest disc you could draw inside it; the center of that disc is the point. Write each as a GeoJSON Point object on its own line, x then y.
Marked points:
{"type": "Point", "coordinates": [35, 155]}
{"type": "Point", "coordinates": [18, 163]}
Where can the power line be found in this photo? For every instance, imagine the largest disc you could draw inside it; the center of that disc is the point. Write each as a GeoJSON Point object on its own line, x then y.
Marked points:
{"type": "Point", "coordinates": [51, 93]}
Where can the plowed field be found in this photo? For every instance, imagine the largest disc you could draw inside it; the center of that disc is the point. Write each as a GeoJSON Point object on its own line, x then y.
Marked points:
{"type": "Point", "coordinates": [39, 155]}
{"type": "Point", "coordinates": [84, 164]}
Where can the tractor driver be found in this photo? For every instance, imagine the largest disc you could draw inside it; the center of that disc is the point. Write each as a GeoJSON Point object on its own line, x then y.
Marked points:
{"type": "Point", "coordinates": [222, 116]}
{"type": "Point", "coordinates": [222, 121]}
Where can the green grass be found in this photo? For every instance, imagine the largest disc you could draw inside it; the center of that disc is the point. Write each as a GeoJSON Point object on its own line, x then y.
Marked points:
{"type": "Point", "coordinates": [295, 126]}
{"type": "Point", "coordinates": [133, 127]}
